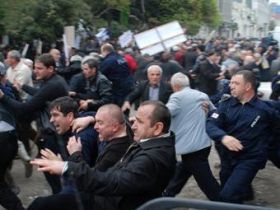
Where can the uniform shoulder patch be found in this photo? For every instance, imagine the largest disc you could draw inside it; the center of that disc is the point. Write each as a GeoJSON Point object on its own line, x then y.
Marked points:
{"type": "Point", "coordinates": [225, 97]}
{"type": "Point", "coordinates": [214, 115]}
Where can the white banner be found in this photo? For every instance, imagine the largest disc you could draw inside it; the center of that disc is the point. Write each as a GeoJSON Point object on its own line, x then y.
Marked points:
{"type": "Point", "coordinates": [160, 38]}
{"type": "Point", "coordinates": [23, 54]}
{"type": "Point", "coordinates": [126, 38]}
{"type": "Point", "coordinates": [65, 47]}
{"type": "Point", "coordinates": [69, 32]}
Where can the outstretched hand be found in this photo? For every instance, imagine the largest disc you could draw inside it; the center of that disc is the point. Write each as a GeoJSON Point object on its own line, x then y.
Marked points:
{"type": "Point", "coordinates": [49, 155]}
{"type": "Point", "coordinates": [51, 166]}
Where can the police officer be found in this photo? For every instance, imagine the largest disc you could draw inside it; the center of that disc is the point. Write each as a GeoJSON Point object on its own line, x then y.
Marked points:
{"type": "Point", "coordinates": [243, 124]}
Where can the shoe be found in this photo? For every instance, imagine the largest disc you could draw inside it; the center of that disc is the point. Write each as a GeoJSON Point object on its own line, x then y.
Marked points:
{"type": "Point", "coordinates": [249, 195]}
{"type": "Point", "coordinates": [28, 169]}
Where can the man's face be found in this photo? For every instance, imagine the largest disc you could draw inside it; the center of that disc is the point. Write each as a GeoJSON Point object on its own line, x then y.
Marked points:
{"type": "Point", "coordinates": [154, 76]}
{"type": "Point", "coordinates": [238, 86]}
{"type": "Point", "coordinates": [88, 72]}
{"type": "Point", "coordinates": [55, 54]}
{"type": "Point", "coordinates": [10, 60]}
{"type": "Point", "coordinates": [41, 71]}
{"type": "Point", "coordinates": [142, 125]}
{"type": "Point", "coordinates": [61, 123]}
{"type": "Point", "coordinates": [215, 58]}
{"type": "Point", "coordinates": [104, 125]}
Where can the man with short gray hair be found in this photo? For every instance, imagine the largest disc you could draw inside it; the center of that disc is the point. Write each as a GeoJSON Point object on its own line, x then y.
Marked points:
{"type": "Point", "coordinates": [188, 121]}
{"type": "Point", "coordinates": [152, 89]}
{"type": "Point", "coordinates": [18, 72]}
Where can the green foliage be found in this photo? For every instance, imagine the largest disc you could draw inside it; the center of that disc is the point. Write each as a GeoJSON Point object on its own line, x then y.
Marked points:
{"type": "Point", "coordinates": [2, 16]}
{"type": "Point", "coordinates": [191, 13]}
{"type": "Point", "coordinates": [30, 19]}
{"type": "Point", "coordinates": [118, 4]}
{"type": "Point", "coordinates": [117, 29]}
{"type": "Point", "coordinates": [45, 19]}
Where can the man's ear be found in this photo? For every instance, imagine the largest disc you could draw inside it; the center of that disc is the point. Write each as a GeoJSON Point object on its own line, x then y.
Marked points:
{"type": "Point", "coordinates": [158, 128]}
{"type": "Point", "coordinates": [248, 86]}
{"type": "Point", "coordinates": [51, 68]}
{"type": "Point", "coordinates": [70, 116]}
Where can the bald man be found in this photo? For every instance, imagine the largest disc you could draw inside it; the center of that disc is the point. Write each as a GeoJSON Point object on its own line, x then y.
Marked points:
{"type": "Point", "coordinates": [59, 65]}
{"type": "Point", "coordinates": [110, 124]}
{"type": "Point", "coordinates": [141, 174]}
{"type": "Point", "coordinates": [116, 69]}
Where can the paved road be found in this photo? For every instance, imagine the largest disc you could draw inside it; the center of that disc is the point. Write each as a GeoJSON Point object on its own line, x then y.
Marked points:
{"type": "Point", "coordinates": [266, 185]}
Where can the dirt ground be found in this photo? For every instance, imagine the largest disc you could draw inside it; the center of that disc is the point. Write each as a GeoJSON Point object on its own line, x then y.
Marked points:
{"type": "Point", "coordinates": [266, 185]}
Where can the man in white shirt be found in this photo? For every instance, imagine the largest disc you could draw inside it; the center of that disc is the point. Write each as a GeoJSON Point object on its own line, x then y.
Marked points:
{"type": "Point", "coordinates": [18, 72]}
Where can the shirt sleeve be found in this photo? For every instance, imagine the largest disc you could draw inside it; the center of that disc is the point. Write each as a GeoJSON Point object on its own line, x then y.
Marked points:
{"type": "Point", "coordinates": [215, 124]}
{"type": "Point", "coordinates": [174, 105]}
{"type": "Point", "coordinates": [136, 177]}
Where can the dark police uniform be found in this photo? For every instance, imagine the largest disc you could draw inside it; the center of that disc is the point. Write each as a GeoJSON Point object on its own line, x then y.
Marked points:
{"type": "Point", "coordinates": [252, 124]}
{"type": "Point", "coordinates": [274, 144]}
{"type": "Point", "coordinates": [115, 68]}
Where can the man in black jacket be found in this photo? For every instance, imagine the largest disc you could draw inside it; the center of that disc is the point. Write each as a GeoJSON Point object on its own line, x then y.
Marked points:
{"type": "Point", "coordinates": [111, 126]}
{"type": "Point", "coordinates": [152, 89]}
{"type": "Point", "coordinates": [209, 74]}
{"type": "Point", "coordinates": [91, 87]}
{"type": "Point", "coordinates": [141, 174]}
{"type": "Point", "coordinates": [52, 87]}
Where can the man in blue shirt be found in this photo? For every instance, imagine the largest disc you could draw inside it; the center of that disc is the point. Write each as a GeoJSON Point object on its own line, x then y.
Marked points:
{"type": "Point", "coordinates": [191, 143]}
{"type": "Point", "coordinates": [244, 125]}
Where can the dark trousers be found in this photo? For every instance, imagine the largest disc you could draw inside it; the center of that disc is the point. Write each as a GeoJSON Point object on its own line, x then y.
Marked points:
{"type": "Point", "coordinates": [236, 178]}
{"type": "Point", "coordinates": [26, 133]}
{"type": "Point", "coordinates": [274, 154]}
{"type": "Point", "coordinates": [195, 164]}
{"type": "Point", "coordinates": [63, 201]}
{"type": "Point", "coordinates": [8, 150]}
{"type": "Point", "coordinates": [50, 141]}
{"type": "Point", "coordinates": [54, 202]}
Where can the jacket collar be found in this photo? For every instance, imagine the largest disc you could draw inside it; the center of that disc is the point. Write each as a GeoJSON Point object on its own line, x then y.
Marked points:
{"type": "Point", "coordinates": [159, 141]}
{"type": "Point", "coordinates": [252, 102]}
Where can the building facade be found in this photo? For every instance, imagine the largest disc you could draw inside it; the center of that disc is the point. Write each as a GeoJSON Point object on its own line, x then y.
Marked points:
{"type": "Point", "coordinates": [244, 18]}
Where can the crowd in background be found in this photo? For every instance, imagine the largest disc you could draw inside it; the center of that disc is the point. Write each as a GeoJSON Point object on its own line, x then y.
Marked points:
{"type": "Point", "coordinates": [35, 92]}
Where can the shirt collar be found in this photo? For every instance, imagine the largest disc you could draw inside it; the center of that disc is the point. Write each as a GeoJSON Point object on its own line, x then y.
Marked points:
{"type": "Point", "coordinates": [155, 86]}
{"type": "Point", "coordinates": [161, 136]}
{"type": "Point", "coordinates": [252, 102]}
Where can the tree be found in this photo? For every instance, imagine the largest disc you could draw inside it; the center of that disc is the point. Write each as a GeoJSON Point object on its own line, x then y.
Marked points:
{"type": "Point", "coordinates": [191, 13]}
{"type": "Point", "coordinates": [26, 20]}
{"type": "Point", "coordinates": [44, 19]}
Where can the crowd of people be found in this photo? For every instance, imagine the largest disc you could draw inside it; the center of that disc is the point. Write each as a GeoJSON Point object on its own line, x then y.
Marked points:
{"type": "Point", "coordinates": [97, 153]}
